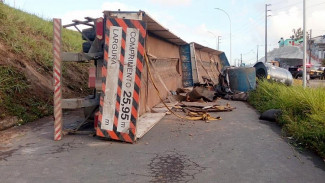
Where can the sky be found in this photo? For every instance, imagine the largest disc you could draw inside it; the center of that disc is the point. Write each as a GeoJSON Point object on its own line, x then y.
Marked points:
{"type": "Point", "coordinates": [199, 21]}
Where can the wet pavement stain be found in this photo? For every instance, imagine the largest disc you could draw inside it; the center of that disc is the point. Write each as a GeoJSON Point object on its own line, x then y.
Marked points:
{"type": "Point", "coordinates": [173, 167]}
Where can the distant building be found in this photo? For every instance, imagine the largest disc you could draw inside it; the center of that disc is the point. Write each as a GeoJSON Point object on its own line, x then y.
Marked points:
{"type": "Point", "coordinates": [290, 52]}
{"type": "Point", "coordinates": [289, 42]}
{"type": "Point", "coordinates": [317, 48]}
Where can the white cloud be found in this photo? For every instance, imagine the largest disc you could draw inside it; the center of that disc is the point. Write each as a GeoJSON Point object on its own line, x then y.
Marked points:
{"type": "Point", "coordinates": [94, 13]}
{"type": "Point", "coordinates": [114, 6]}
{"type": "Point", "coordinates": [281, 25]}
{"type": "Point", "coordinates": [171, 2]}
{"type": "Point", "coordinates": [283, 22]}
{"type": "Point", "coordinates": [199, 33]}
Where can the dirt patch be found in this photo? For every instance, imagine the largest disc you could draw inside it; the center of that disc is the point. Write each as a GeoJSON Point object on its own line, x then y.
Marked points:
{"type": "Point", "coordinates": [8, 122]}
{"type": "Point", "coordinates": [41, 81]}
{"type": "Point", "coordinates": [38, 97]}
{"type": "Point", "coordinates": [8, 135]}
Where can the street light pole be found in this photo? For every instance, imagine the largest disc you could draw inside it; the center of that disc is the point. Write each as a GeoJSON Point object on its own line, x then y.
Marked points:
{"type": "Point", "coordinates": [304, 81]}
{"type": "Point", "coordinates": [257, 54]}
{"type": "Point", "coordinates": [229, 27]}
{"type": "Point", "coordinates": [266, 10]}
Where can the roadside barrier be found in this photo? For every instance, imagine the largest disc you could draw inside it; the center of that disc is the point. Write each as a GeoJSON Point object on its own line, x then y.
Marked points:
{"type": "Point", "coordinates": [57, 79]}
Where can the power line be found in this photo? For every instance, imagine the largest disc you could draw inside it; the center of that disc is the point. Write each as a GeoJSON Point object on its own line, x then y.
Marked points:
{"type": "Point", "coordinates": [285, 7]}
{"type": "Point", "coordinates": [299, 8]}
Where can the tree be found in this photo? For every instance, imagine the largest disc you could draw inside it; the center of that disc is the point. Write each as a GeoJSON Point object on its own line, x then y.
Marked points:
{"type": "Point", "coordinates": [298, 34]}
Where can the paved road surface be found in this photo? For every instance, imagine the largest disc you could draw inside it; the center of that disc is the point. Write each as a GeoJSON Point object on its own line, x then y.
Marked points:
{"type": "Point", "coordinates": [316, 83]}
{"type": "Point", "coordinates": [239, 148]}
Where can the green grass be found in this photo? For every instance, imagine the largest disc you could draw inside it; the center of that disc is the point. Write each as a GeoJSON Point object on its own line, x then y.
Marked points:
{"type": "Point", "coordinates": [29, 38]}
{"type": "Point", "coordinates": [303, 110]}
{"type": "Point", "coordinates": [15, 99]}
{"type": "Point", "coordinates": [32, 36]}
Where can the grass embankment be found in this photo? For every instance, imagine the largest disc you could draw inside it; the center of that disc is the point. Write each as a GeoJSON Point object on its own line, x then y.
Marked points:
{"type": "Point", "coordinates": [15, 99]}
{"type": "Point", "coordinates": [303, 110]}
{"type": "Point", "coordinates": [29, 39]}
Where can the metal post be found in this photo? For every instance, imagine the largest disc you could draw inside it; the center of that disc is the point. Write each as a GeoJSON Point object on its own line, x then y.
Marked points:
{"type": "Point", "coordinates": [265, 34]}
{"type": "Point", "coordinates": [304, 74]}
{"type": "Point", "coordinates": [266, 5]}
{"type": "Point", "coordinates": [257, 54]}
{"type": "Point", "coordinates": [266, 10]}
{"type": "Point", "coordinates": [230, 38]}
{"type": "Point", "coordinates": [241, 59]}
{"type": "Point", "coordinates": [219, 42]}
{"type": "Point", "coordinates": [229, 28]}
{"type": "Point", "coordinates": [309, 45]}
{"type": "Point", "coordinates": [57, 79]}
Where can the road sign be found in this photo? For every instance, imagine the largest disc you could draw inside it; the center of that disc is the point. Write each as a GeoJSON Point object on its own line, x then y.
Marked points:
{"type": "Point", "coordinates": [123, 63]}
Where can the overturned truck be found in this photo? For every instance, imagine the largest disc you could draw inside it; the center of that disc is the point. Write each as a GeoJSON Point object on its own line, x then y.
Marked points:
{"type": "Point", "coordinates": [123, 45]}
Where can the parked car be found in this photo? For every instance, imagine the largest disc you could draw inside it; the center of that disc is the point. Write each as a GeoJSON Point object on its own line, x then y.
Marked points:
{"type": "Point", "coordinates": [313, 72]}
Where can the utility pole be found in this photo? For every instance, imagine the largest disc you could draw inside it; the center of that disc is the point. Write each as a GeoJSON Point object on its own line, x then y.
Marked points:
{"type": "Point", "coordinates": [257, 54]}
{"type": "Point", "coordinates": [266, 10]}
{"type": "Point", "coordinates": [219, 41]}
{"type": "Point", "coordinates": [310, 42]}
{"type": "Point", "coordinates": [241, 59]}
{"type": "Point", "coordinates": [304, 73]}
{"type": "Point", "coordinates": [229, 28]}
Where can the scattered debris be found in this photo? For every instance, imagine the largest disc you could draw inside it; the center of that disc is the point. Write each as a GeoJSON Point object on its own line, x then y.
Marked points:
{"type": "Point", "coordinates": [198, 107]}
{"type": "Point", "coordinates": [271, 115]}
{"type": "Point", "coordinates": [178, 98]}
{"type": "Point", "coordinates": [238, 96]}
{"type": "Point", "coordinates": [235, 83]}
{"type": "Point", "coordinates": [182, 90]}
{"type": "Point", "coordinates": [196, 103]}
{"type": "Point", "coordinates": [200, 93]}
{"type": "Point", "coordinates": [202, 116]}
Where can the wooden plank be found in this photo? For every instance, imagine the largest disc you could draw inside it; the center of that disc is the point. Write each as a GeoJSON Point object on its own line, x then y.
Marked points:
{"type": "Point", "coordinates": [195, 73]}
{"type": "Point", "coordinates": [161, 108]}
{"type": "Point", "coordinates": [161, 105]}
{"type": "Point", "coordinates": [77, 103]}
{"type": "Point", "coordinates": [147, 121]}
{"type": "Point", "coordinates": [198, 104]}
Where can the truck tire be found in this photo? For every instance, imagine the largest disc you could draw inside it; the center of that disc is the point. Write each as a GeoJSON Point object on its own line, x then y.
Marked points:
{"type": "Point", "coordinates": [89, 33]}
{"type": "Point", "coordinates": [86, 47]}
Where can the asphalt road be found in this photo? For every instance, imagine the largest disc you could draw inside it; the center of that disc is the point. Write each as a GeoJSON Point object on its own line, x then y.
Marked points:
{"type": "Point", "coordinates": [316, 83]}
{"type": "Point", "coordinates": [238, 148]}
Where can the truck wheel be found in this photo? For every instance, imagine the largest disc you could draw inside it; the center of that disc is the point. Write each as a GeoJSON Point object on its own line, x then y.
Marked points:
{"type": "Point", "coordinates": [89, 33]}
{"type": "Point", "coordinates": [86, 47]}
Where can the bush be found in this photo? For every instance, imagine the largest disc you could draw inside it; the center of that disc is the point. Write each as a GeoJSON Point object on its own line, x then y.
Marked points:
{"type": "Point", "coordinates": [303, 116]}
